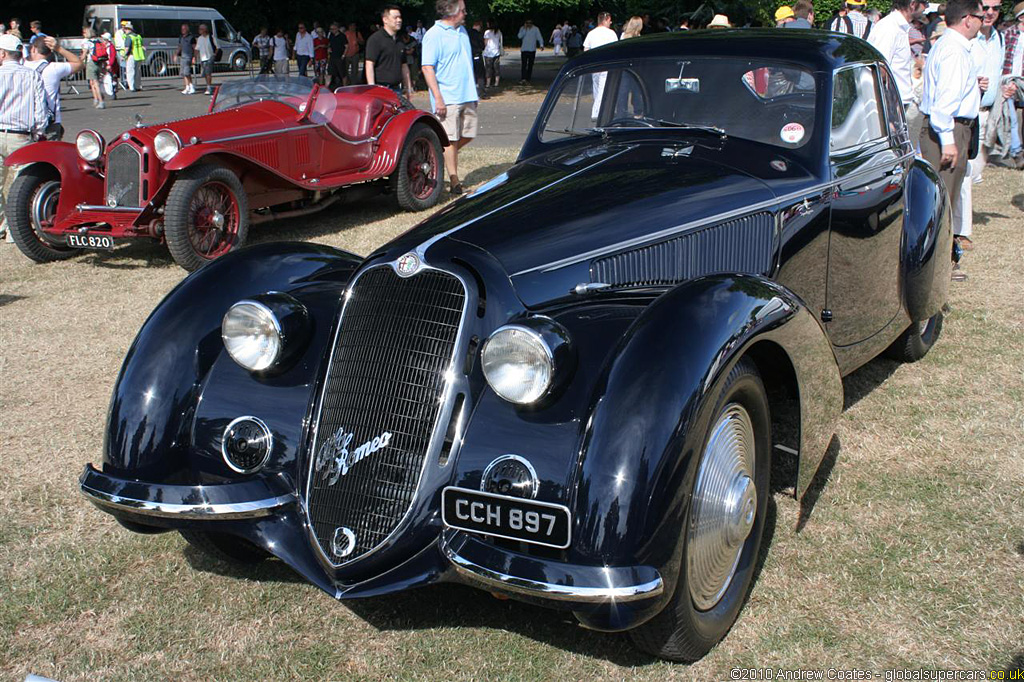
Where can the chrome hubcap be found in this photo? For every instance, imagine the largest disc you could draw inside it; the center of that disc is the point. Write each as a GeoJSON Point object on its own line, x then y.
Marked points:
{"type": "Point", "coordinates": [723, 509]}
{"type": "Point", "coordinates": [44, 204]}
{"type": "Point", "coordinates": [217, 220]}
{"type": "Point", "coordinates": [425, 167]}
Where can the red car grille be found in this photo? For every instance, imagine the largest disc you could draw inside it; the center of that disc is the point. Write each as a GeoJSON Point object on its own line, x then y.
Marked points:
{"type": "Point", "coordinates": [124, 184]}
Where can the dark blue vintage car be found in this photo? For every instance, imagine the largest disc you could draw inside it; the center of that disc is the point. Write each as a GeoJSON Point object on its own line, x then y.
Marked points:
{"type": "Point", "coordinates": [568, 386]}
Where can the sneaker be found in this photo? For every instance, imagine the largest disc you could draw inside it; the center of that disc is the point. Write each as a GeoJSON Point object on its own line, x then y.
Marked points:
{"type": "Point", "coordinates": [101, 105]}
{"type": "Point", "coordinates": [191, 91]}
{"type": "Point", "coordinates": [209, 91]}
{"type": "Point", "coordinates": [184, 91]}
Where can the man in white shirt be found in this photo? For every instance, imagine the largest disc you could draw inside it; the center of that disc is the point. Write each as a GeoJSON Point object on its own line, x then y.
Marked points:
{"type": "Point", "coordinates": [532, 41]}
{"type": "Point", "coordinates": [602, 34]}
{"type": "Point", "coordinates": [23, 113]}
{"type": "Point", "coordinates": [303, 48]}
{"type": "Point", "coordinates": [891, 37]}
{"type": "Point", "coordinates": [206, 50]}
{"type": "Point", "coordinates": [52, 74]}
{"type": "Point", "coordinates": [951, 96]}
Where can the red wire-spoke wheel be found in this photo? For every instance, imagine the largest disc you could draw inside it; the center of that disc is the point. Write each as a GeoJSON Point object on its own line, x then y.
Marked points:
{"type": "Point", "coordinates": [419, 175]}
{"type": "Point", "coordinates": [213, 218]}
{"type": "Point", "coordinates": [422, 169]}
{"type": "Point", "coordinates": [207, 215]}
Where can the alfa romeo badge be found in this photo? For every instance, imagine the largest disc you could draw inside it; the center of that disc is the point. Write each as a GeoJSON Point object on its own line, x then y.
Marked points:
{"type": "Point", "coordinates": [408, 265]}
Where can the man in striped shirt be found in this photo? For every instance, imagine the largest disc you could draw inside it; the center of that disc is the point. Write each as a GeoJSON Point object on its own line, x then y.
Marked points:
{"type": "Point", "coordinates": [851, 20]}
{"type": "Point", "coordinates": [23, 113]}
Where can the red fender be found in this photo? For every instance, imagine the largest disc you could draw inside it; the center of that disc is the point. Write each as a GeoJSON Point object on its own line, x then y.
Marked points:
{"type": "Point", "coordinates": [395, 132]}
{"type": "Point", "coordinates": [80, 183]}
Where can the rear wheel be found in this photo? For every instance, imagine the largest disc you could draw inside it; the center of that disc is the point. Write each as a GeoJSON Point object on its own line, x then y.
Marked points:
{"type": "Point", "coordinates": [419, 176]}
{"type": "Point", "coordinates": [917, 340]}
{"type": "Point", "coordinates": [31, 208]}
{"type": "Point", "coordinates": [207, 215]}
{"type": "Point", "coordinates": [226, 547]}
{"type": "Point", "coordinates": [723, 527]}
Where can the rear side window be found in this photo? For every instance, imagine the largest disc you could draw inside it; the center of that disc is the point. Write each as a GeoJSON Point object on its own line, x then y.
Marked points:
{"type": "Point", "coordinates": [856, 108]}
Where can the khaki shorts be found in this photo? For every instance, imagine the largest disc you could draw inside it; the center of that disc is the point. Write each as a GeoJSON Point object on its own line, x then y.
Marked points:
{"type": "Point", "coordinates": [459, 121]}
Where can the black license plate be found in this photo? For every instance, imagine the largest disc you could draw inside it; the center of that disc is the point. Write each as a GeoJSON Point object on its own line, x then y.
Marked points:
{"type": "Point", "coordinates": [511, 518]}
{"type": "Point", "coordinates": [90, 241]}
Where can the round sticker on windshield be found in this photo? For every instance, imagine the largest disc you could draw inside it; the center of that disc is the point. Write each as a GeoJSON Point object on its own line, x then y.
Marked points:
{"type": "Point", "coordinates": [792, 133]}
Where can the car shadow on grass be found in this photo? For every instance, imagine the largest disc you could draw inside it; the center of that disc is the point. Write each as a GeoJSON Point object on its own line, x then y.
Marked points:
{"type": "Point", "coordinates": [866, 379]}
{"type": "Point", "coordinates": [460, 606]}
{"type": "Point", "coordinates": [9, 298]}
{"type": "Point", "coordinates": [272, 570]}
{"type": "Point", "coordinates": [132, 255]}
{"type": "Point", "coordinates": [1016, 666]}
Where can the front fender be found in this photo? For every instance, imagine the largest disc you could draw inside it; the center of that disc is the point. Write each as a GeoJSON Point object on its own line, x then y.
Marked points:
{"type": "Point", "coordinates": [397, 129]}
{"type": "Point", "coordinates": [157, 392]}
{"type": "Point", "coordinates": [79, 181]}
{"type": "Point", "coordinates": [927, 243]}
{"type": "Point", "coordinates": [654, 405]}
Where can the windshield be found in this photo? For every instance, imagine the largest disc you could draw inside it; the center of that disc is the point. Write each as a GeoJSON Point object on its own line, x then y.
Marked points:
{"type": "Point", "coordinates": [290, 90]}
{"type": "Point", "coordinates": [756, 100]}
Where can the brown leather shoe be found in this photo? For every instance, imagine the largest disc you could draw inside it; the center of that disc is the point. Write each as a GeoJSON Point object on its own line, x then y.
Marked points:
{"type": "Point", "coordinates": [965, 243]}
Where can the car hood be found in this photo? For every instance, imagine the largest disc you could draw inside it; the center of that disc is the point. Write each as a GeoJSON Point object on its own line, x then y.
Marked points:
{"type": "Point", "coordinates": [544, 213]}
{"type": "Point", "coordinates": [245, 120]}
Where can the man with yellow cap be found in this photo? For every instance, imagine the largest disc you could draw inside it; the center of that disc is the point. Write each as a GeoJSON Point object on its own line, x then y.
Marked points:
{"type": "Point", "coordinates": [851, 19]}
{"type": "Point", "coordinates": [783, 16]}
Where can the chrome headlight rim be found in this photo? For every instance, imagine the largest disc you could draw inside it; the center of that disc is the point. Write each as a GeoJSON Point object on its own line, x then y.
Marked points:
{"type": "Point", "coordinates": [166, 153]}
{"type": "Point", "coordinates": [91, 154]}
{"type": "Point", "coordinates": [537, 338]}
{"type": "Point", "coordinates": [264, 362]}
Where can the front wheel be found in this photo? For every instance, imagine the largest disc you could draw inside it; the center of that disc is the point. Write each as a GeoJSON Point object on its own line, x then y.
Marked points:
{"type": "Point", "coordinates": [419, 176]}
{"type": "Point", "coordinates": [31, 209]}
{"type": "Point", "coordinates": [239, 61]}
{"type": "Point", "coordinates": [207, 215]}
{"type": "Point", "coordinates": [917, 340]}
{"type": "Point", "coordinates": [723, 525]}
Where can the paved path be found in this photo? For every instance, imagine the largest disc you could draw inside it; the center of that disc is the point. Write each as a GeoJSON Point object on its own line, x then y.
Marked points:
{"type": "Point", "coordinates": [504, 120]}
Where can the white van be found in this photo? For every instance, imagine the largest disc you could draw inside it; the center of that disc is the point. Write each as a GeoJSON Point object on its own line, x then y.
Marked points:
{"type": "Point", "coordinates": [160, 28]}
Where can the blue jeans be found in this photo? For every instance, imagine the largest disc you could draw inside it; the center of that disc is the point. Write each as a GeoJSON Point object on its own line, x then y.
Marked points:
{"type": "Point", "coordinates": [303, 62]}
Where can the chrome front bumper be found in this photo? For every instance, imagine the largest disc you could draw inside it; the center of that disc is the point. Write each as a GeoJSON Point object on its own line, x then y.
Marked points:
{"type": "Point", "coordinates": [523, 575]}
{"type": "Point", "coordinates": [119, 496]}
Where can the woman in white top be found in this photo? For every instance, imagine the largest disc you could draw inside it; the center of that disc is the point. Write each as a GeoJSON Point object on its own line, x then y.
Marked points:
{"type": "Point", "coordinates": [556, 39]}
{"type": "Point", "coordinates": [493, 47]}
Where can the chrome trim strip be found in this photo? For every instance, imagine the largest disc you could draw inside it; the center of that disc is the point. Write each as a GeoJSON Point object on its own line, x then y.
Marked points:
{"type": "Point", "coordinates": [206, 512]}
{"type": "Point", "coordinates": [437, 432]}
{"type": "Point", "coordinates": [109, 209]}
{"type": "Point", "coordinates": [262, 134]}
{"type": "Point", "coordinates": [686, 227]}
{"type": "Point", "coordinates": [536, 588]}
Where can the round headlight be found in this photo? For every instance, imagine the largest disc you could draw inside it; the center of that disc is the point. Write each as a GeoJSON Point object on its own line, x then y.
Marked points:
{"type": "Point", "coordinates": [89, 145]}
{"type": "Point", "coordinates": [166, 144]}
{"type": "Point", "coordinates": [518, 364]}
{"type": "Point", "coordinates": [252, 335]}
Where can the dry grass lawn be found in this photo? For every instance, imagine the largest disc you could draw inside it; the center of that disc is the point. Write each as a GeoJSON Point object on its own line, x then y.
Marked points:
{"type": "Point", "coordinates": [909, 553]}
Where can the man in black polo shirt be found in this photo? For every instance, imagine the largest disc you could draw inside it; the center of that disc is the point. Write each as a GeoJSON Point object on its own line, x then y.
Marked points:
{"type": "Point", "coordinates": [385, 55]}
{"type": "Point", "coordinates": [336, 42]}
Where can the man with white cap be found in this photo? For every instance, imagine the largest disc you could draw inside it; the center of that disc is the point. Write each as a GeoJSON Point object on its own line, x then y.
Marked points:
{"type": "Point", "coordinates": [852, 20]}
{"type": "Point", "coordinates": [23, 113]}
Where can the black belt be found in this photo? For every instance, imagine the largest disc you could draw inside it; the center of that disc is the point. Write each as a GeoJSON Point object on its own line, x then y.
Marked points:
{"type": "Point", "coordinates": [960, 119]}
{"type": "Point", "coordinates": [14, 132]}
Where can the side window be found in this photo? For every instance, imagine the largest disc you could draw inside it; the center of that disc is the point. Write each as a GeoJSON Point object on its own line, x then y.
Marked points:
{"type": "Point", "coordinates": [856, 109]}
{"type": "Point", "coordinates": [894, 109]}
{"type": "Point", "coordinates": [572, 110]}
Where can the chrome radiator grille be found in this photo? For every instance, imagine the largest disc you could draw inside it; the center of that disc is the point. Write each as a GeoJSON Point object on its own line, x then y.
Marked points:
{"type": "Point", "coordinates": [742, 245]}
{"type": "Point", "coordinates": [123, 176]}
{"type": "Point", "coordinates": [384, 390]}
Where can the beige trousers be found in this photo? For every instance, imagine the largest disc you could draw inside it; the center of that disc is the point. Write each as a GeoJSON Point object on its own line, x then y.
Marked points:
{"type": "Point", "coordinates": [9, 142]}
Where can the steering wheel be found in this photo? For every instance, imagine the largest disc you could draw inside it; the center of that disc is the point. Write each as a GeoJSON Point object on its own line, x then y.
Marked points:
{"type": "Point", "coordinates": [631, 121]}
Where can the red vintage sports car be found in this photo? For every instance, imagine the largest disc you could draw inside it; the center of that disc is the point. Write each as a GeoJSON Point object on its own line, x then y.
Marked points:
{"type": "Point", "coordinates": [269, 147]}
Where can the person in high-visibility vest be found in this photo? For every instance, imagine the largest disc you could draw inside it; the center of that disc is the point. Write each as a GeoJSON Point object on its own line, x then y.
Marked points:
{"type": "Point", "coordinates": [134, 56]}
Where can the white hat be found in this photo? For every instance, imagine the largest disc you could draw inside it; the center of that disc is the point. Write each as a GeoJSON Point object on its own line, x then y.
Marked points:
{"type": "Point", "coordinates": [106, 36]}
{"type": "Point", "coordinates": [720, 21]}
{"type": "Point", "coordinates": [10, 43]}
{"type": "Point", "coordinates": [127, 24]}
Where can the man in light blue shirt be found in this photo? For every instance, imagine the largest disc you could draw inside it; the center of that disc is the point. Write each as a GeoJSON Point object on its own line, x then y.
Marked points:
{"type": "Point", "coordinates": [448, 69]}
